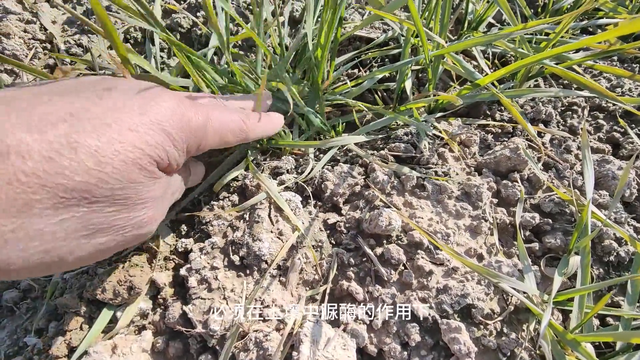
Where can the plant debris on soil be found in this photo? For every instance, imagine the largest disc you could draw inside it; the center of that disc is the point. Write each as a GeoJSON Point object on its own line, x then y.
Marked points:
{"type": "Point", "coordinates": [360, 282]}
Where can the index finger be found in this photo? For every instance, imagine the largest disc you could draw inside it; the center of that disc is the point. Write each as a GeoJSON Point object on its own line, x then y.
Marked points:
{"type": "Point", "coordinates": [240, 101]}
{"type": "Point", "coordinates": [212, 126]}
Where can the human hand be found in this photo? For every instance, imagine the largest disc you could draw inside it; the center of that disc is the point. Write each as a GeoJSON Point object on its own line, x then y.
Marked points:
{"type": "Point", "coordinates": [90, 166]}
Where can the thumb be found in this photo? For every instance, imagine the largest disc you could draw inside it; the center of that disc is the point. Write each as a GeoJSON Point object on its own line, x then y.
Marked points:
{"type": "Point", "coordinates": [191, 172]}
{"type": "Point", "coordinates": [174, 185]}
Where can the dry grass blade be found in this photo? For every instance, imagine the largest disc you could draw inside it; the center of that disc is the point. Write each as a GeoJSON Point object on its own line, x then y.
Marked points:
{"type": "Point", "coordinates": [373, 258]}
{"type": "Point", "coordinates": [316, 169]}
{"type": "Point", "coordinates": [177, 8]}
{"type": "Point", "coordinates": [517, 113]}
{"type": "Point", "coordinates": [165, 236]}
{"type": "Point", "coordinates": [570, 268]}
{"type": "Point", "coordinates": [272, 190]}
{"type": "Point", "coordinates": [296, 327]}
{"type": "Point", "coordinates": [332, 273]}
{"type": "Point", "coordinates": [628, 129]}
{"type": "Point", "coordinates": [293, 274]}
{"type": "Point", "coordinates": [55, 30]}
{"type": "Point", "coordinates": [86, 22]}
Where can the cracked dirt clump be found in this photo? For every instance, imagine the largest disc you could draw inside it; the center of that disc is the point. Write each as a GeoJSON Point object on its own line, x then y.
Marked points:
{"type": "Point", "coordinates": [318, 340]}
{"type": "Point", "coordinates": [394, 254]}
{"type": "Point", "coordinates": [339, 182]}
{"type": "Point", "coordinates": [607, 171]}
{"type": "Point", "coordinates": [20, 32]}
{"type": "Point", "coordinates": [122, 285]}
{"type": "Point", "coordinates": [383, 222]}
{"type": "Point", "coordinates": [258, 345]}
{"type": "Point", "coordinates": [31, 30]}
{"type": "Point", "coordinates": [215, 287]}
{"type": "Point", "coordinates": [457, 338]}
{"type": "Point", "coordinates": [505, 158]}
{"type": "Point", "coordinates": [123, 347]}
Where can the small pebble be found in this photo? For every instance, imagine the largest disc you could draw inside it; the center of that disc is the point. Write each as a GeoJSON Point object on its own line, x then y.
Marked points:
{"type": "Point", "coordinates": [184, 245]}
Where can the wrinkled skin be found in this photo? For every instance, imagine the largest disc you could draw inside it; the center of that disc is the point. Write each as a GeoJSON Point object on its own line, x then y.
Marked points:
{"type": "Point", "coordinates": [90, 166]}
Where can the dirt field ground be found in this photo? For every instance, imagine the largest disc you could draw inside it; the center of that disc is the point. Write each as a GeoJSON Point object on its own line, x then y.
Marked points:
{"type": "Point", "coordinates": [379, 290]}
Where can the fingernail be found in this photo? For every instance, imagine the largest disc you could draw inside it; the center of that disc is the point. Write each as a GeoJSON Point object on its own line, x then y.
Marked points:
{"type": "Point", "coordinates": [265, 101]}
